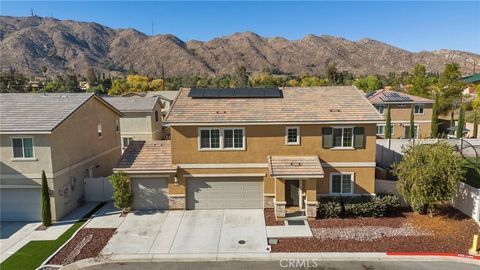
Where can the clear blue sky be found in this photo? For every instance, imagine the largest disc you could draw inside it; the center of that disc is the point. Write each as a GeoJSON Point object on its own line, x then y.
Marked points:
{"type": "Point", "coordinates": [414, 26]}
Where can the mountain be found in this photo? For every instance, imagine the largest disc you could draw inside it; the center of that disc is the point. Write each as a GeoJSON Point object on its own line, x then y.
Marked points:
{"type": "Point", "coordinates": [28, 43]}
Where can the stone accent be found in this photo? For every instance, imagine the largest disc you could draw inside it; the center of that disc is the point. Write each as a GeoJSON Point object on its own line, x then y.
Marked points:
{"type": "Point", "coordinates": [268, 201]}
{"type": "Point", "coordinates": [311, 209]}
{"type": "Point", "coordinates": [176, 202]}
{"type": "Point", "coordinates": [280, 210]}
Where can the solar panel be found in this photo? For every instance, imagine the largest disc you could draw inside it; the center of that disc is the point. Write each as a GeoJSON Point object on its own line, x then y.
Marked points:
{"type": "Point", "coordinates": [236, 93]}
{"type": "Point", "coordinates": [395, 97]}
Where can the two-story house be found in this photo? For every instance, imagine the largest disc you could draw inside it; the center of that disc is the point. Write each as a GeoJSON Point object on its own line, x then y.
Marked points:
{"type": "Point", "coordinates": [257, 148]}
{"type": "Point", "coordinates": [142, 117]}
{"type": "Point", "coordinates": [68, 135]}
{"type": "Point", "coordinates": [400, 110]}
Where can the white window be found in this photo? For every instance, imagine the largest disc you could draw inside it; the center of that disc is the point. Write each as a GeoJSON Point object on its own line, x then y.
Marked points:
{"type": "Point", "coordinates": [126, 141]}
{"type": "Point", "coordinates": [380, 108]}
{"type": "Point", "coordinates": [221, 138]}
{"type": "Point", "coordinates": [156, 116]}
{"type": "Point", "coordinates": [380, 129]}
{"type": "Point", "coordinates": [419, 108]}
{"type": "Point", "coordinates": [22, 148]}
{"type": "Point", "coordinates": [117, 125]}
{"type": "Point", "coordinates": [341, 183]}
{"type": "Point", "coordinates": [342, 137]}
{"type": "Point", "coordinates": [415, 131]}
{"type": "Point", "coordinates": [99, 130]}
{"type": "Point", "coordinates": [292, 135]}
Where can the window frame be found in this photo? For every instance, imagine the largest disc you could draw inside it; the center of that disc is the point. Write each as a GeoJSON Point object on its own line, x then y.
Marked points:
{"type": "Point", "coordinates": [352, 184]}
{"type": "Point", "coordinates": [422, 106]}
{"type": "Point", "coordinates": [384, 128]}
{"type": "Point", "coordinates": [405, 133]}
{"type": "Point", "coordinates": [117, 125]}
{"type": "Point", "coordinates": [23, 149]}
{"type": "Point", "coordinates": [378, 106]}
{"type": "Point", "coordinates": [221, 138]}
{"type": "Point", "coordinates": [298, 135]}
{"type": "Point", "coordinates": [99, 131]}
{"type": "Point", "coordinates": [156, 116]}
{"type": "Point", "coordinates": [343, 129]}
{"type": "Point", "coordinates": [123, 144]}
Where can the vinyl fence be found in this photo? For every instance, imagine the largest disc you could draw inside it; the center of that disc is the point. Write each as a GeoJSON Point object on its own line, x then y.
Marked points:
{"type": "Point", "coordinates": [467, 200]}
{"type": "Point", "coordinates": [98, 189]}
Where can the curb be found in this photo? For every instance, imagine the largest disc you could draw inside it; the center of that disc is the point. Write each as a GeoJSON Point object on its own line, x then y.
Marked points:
{"type": "Point", "coordinates": [221, 257]}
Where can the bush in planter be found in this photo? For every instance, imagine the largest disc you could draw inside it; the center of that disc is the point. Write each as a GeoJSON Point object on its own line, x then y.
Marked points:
{"type": "Point", "coordinates": [330, 207]}
{"type": "Point", "coordinates": [362, 206]}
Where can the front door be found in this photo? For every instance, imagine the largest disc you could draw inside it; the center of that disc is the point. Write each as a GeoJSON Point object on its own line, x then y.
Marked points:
{"type": "Point", "coordinates": [291, 192]}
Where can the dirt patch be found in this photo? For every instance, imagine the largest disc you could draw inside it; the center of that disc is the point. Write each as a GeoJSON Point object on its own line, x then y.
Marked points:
{"type": "Point", "coordinates": [78, 248]}
{"type": "Point", "coordinates": [270, 219]}
{"type": "Point", "coordinates": [41, 228]}
{"type": "Point", "coordinates": [450, 232]}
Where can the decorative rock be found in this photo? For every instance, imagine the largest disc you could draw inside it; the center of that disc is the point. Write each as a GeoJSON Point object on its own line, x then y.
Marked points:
{"type": "Point", "coordinates": [74, 253]}
{"type": "Point", "coordinates": [269, 201]}
{"type": "Point", "coordinates": [176, 203]}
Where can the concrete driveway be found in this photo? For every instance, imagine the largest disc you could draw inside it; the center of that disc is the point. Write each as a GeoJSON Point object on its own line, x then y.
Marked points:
{"type": "Point", "coordinates": [190, 232]}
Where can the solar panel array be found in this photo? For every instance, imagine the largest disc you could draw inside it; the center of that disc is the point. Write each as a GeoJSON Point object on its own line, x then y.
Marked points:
{"type": "Point", "coordinates": [236, 93]}
{"type": "Point", "coordinates": [395, 97]}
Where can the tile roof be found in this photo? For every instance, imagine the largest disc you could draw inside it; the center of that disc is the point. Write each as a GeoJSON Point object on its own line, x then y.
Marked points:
{"type": "Point", "coordinates": [314, 104]}
{"type": "Point", "coordinates": [33, 112]}
{"type": "Point", "coordinates": [147, 156]}
{"type": "Point", "coordinates": [382, 96]}
{"type": "Point", "coordinates": [167, 95]}
{"type": "Point", "coordinates": [282, 166]}
{"type": "Point", "coordinates": [132, 103]}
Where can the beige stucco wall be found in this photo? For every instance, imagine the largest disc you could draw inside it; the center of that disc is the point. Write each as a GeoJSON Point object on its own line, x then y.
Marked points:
{"type": "Point", "coordinates": [141, 126]}
{"type": "Point", "coordinates": [400, 116]}
{"type": "Point", "coordinates": [262, 141]}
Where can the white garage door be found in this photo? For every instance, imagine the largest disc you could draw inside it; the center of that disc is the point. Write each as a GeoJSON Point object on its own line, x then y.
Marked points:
{"type": "Point", "coordinates": [225, 193]}
{"type": "Point", "coordinates": [21, 204]}
{"type": "Point", "coordinates": [150, 193]}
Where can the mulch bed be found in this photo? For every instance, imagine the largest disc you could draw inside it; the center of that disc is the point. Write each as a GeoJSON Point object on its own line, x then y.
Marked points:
{"type": "Point", "coordinates": [452, 232]}
{"type": "Point", "coordinates": [91, 249]}
{"type": "Point", "coordinates": [270, 219]}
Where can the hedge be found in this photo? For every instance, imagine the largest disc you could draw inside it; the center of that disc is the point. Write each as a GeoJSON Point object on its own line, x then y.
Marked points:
{"type": "Point", "coordinates": [362, 206]}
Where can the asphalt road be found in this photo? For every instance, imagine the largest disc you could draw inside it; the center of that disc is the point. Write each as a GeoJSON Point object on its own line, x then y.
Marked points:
{"type": "Point", "coordinates": [294, 264]}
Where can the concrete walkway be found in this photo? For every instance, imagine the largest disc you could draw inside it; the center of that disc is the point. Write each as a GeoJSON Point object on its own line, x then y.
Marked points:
{"type": "Point", "coordinates": [107, 217]}
{"type": "Point", "coordinates": [189, 232]}
{"type": "Point", "coordinates": [17, 240]}
{"type": "Point", "coordinates": [289, 231]}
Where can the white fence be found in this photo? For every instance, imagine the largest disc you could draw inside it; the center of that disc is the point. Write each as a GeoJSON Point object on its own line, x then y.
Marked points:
{"type": "Point", "coordinates": [98, 189]}
{"type": "Point", "coordinates": [467, 200]}
{"type": "Point", "coordinates": [388, 186]}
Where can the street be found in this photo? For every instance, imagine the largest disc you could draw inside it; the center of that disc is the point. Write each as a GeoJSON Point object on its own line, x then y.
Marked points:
{"type": "Point", "coordinates": [287, 264]}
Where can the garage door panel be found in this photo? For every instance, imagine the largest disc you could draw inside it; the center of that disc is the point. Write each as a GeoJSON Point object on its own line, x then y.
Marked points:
{"type": "Point", "coordinates": [21, 204]}
{"type": "Point", "coordinates": [150, 193]}
{"type": "Point", "coordinates": [225, 193]}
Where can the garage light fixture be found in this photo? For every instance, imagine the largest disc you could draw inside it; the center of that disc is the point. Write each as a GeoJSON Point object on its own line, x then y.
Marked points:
{"type": "Point", "coordinates": [175, 180]}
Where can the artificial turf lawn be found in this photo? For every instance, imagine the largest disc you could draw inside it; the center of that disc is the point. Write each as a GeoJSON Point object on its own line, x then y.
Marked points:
{"type": "Point", "coordinates": [34, 253]}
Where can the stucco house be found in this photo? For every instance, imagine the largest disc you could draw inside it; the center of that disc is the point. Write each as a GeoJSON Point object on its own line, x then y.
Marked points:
{"type": "Point", "coordinates": [400, 109]}
{"type": "Point", "coordinates": [257, 148]}
{"type": "Point", "coordinates": [68, 135]}
{"type": "Point", "coordinates": [142, 117]}
{"type": "Point", "coordinates": [167, 97]}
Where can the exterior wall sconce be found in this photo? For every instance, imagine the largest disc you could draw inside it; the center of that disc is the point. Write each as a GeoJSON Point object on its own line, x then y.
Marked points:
{"type": "Point", "coordinates": [175, 180]}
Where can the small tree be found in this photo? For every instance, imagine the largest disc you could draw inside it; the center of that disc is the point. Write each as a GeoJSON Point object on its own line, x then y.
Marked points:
{"type": "Point", "coordinates": [434, 125]}
{"type": "Point", "coordinates": [388, 125]}
{"type": "Point", "coordinates": [411, 128]}
{"type": "Point", "coordinates": [46, 211]}
{"type": "Point", "coordinates": [452, 120]}
{"type": "Point", "coordinates": [475, 124]}
{"type": "Point", "coordinates": [122, 195]}
{"type": "Point", "coordinates": [428, 175]}
{"type": "Point", "coordinates": [461, 122]}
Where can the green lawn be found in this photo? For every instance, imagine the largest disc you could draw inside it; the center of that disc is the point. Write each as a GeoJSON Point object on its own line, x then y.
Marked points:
{"type": "Point", "coordinates": [34, 253]}
{"type": "Point", "coordinates": [473, 173]}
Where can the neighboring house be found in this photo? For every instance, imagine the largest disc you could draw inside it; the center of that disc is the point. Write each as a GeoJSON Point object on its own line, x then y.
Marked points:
{"type": "Point", "coordinates": [142, 119]}
{"type": "Point", "coordinates": [68, 135]}
{"type": "Point", "coordinates": [400, 107]}
{"type": "Point", "coordinates": [472, 79]}
{"type": "Point", "coordinates": [167, 98]}
{"type": "Point", "coordinates": [257, 148]}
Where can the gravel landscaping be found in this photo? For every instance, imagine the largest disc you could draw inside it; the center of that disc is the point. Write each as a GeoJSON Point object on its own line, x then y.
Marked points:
{"type": "Point", "coordinates": [86, 244]}
{"type": "Point", "coordinates": [270, 219]}
{"type": "Point", "coordinates": [450, 232]}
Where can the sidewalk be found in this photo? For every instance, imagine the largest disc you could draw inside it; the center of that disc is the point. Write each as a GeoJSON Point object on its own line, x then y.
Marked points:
{"type": "Point", "coordinates": [12, 244]}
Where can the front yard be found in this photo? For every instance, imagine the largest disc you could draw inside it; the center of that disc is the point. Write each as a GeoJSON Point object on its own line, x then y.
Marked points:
{"type": "Point", "coordinates": [449, 232]}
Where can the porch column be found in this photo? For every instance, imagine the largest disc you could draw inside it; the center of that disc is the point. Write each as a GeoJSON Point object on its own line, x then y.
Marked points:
{"type": "Point", "coordinates": [311, 198]}
{"type": "Point", "coordinates": [279, 198]}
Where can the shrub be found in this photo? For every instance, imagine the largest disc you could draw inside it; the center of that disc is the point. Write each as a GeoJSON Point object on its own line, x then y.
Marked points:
{"type": "Point", "coordinates": [46, 210]}
{"type": "Point", "coordinates": [122, 195]}
{"type": "Point", "coordinates": [363, 206]}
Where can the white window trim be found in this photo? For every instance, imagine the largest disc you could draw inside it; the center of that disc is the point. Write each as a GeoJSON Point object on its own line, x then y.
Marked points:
{"type": "Point", "coordinates": [380, 105]}
{"type": "Point", "coordinates": [341, 187]}
{"type": "Point", "coordinates": [423, 109]}
{"type": "Point", "coordinates": [408, 125]}
{"type": "Point", "coordinates": [298, 135]}
{"type": "Point", "coordinates": [222, 148]}
{"type": "Point", "coordinates": [23, 149]}
{"type": "Point", "coordinates": [123, 145]}
{"type": "Point", "coordinates": [117, 125]}
{"type": "Point", "coordinates": [99, 130]}
{"type": "Point", "coordinates": [343, 147]}
{"type": "Point", "coordinates": [384, 128]}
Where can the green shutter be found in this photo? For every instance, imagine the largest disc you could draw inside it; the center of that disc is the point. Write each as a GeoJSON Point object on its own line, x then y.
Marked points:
{"type": "Point", "coordinates": [327, 134]}
{"type": "Point", "coordinates": [359, 137]}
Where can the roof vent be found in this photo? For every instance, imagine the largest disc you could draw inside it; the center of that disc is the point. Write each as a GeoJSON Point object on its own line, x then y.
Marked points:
{"type": "Point", "coordinates": [295, 163]}
{"type": "Point", "coordinates": [221, 112]}
{"type": "Point", "coordinates": [335, 110]}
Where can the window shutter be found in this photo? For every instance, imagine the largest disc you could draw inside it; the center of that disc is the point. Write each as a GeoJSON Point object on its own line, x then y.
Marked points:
{"type": "Point", "coordinates": [359, 137]}
{"type": "Point", "coordinates": [327, 134]}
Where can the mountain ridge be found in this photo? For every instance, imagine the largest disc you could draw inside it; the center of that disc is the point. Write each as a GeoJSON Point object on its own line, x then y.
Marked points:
{"type": "Point", "coordinates": [28, 43]}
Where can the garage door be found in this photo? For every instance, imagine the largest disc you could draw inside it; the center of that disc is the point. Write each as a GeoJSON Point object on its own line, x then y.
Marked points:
{"type": "Point", "coordinates": [150, 193]}
{"type": "Point", "coordinates": [225, 193]}
{"type": "Point", "coordinates": [22, 204]}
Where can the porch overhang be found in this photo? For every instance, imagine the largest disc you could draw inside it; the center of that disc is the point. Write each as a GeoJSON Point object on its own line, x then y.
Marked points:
{"type": "Point", "coordinates": [295, 167]}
